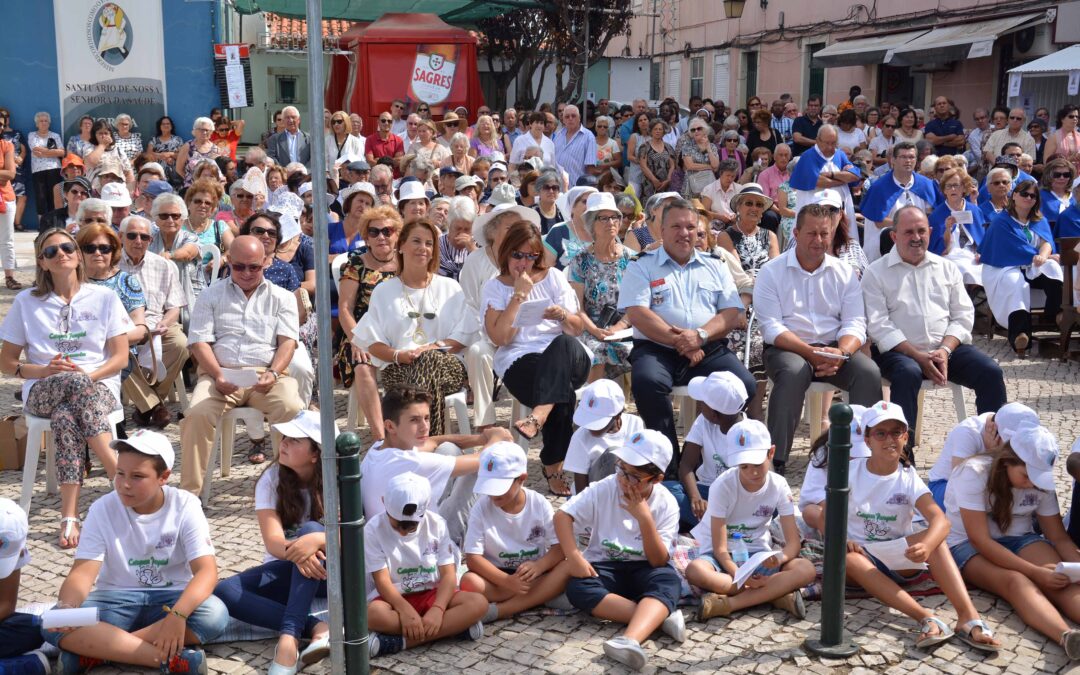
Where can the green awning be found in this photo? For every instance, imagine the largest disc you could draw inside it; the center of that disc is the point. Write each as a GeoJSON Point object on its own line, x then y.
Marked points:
{"type": "Point", "coordinates": [455, 12]}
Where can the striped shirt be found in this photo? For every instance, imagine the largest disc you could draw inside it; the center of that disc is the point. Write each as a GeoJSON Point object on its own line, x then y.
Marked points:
{"type": "Point", "coordinates": [782, 127]}
{"type": "Point", "coordinates": [161, 285]}
{"type": "Point", "coordinates": [575, 153]}
{"type": "Point", "coordinates": [242, 330]}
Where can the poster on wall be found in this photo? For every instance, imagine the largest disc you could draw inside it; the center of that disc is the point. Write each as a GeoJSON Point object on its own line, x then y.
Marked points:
{"type": "Point", "coordinates": [433, 74]}
{"type": "Point", "coordinates": [110, 60]}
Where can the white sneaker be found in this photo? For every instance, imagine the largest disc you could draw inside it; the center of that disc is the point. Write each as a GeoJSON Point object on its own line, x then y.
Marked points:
{"type": "Point", "coordinates": [675, 626]}
{"type": "Point", "coordinates": [626, 651]}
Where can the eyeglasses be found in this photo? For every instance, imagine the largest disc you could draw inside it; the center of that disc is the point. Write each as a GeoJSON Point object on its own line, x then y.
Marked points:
{"type": "Point", "coordinates": [375, 232]}
{"type": "Point", "coordinates": [103, 249]}
{"type": "Point", "coordinates": [79, 193]}
{"type": "Point", "coordinates": [49, 252]}
{"type": "Point", "coordinates": [1060, 174]}
{"type": "Point", "coordinates": [881, 434]}
{"type": "Point", "coordinates": [264, 231]}
{"type": "Point", "coordinates": [169, 216]}
{"type": "Point", "coordinates": [1001, 182]}
{"type": "Point", "coordinates": [694, 129]}
{"type": "Point", "coordinates": [731, 140]}
{"type": "Point", "coordinates": [243, 195]}
{"type": "Point", "coordinates": [522, 255]}
{"type": "Point", "coordinates": [201, 202]}
{"type": "Point", "coordinates": [754, 205]}
{"type": "Point", "coordinates": [132, 236]}
{"type": "Point", "coordinates": [890, 126]}
{"type": "Point", "coordinates": [1027, 195]}
{"type": "Point", "coordinates": [1014, 117]}
{"type": "Point", "coordinates": [631, 478]}
{"type": "Point", "coordinates": [610, 220]}
{"type": "Point", "coordinates": [204, 129]}
{"type": "Point", "coordinates": [238, 268]}
{"type": "Point", "coordinates": [382, 121]}
{"type": "Point", "coordinates": [953, 186]}
{"type": "Point", "coordinates": [551, 188]}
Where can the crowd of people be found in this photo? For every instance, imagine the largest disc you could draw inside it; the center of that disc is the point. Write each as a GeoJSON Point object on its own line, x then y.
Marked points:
{"type": "Point", "coordinates": [716, 255]}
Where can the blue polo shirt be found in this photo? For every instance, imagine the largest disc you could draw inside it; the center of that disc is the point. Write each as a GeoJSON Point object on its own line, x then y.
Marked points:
{"type": "Point", "coordinates": [948, 127]}
{"type": "Point", "coordinates": [575, 153]}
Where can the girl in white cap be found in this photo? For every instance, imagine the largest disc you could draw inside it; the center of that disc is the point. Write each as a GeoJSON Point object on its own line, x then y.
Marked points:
{"type": "Point", "coordinates": [812, 494]}
{"type": "Point", "coordinates": [885, 492]}
{"type": "Point", "coordinates": [603, 424]}
{"type": "Point", "coordinates": [992, 502]}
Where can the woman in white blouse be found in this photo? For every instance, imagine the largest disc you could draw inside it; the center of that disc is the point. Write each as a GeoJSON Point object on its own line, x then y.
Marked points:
{"type": "Point", "coordinates": [341, 142]}
{"type": "Point", "coordinates": [414, 327]}
{"type": "Point", "coordinates": [540, 361]}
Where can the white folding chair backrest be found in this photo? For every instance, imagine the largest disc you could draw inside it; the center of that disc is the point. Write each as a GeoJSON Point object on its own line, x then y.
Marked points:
{"type": "Point", "coordinates": [335, 268]}
{"type": "Point", "coordinates": [215, 260]}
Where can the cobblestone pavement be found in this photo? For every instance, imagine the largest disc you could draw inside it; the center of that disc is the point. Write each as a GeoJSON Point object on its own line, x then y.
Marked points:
{"type": "Point", "coordinates": [757, 641]}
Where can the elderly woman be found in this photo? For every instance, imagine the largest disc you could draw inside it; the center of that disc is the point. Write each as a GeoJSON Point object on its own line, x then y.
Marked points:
{"type": "Point", "coordinates": [82, 143]}
{"type": "Point", "coordinates": [1018, 254]}
{"type": "Point", "coordinates": [700, 160]}
{"type": "Point", "coordinates": [909, 126]}
{"type": "Point", "coordinates": [165, 144]}
{"type": "Point", "coordinates": [439, 212]}
{"type": "Point", "coordinates": [341, 143]}
{"type": "Point", "coordinates": [718, 195]}
{"type": "Point", "coordinates": [199, 148]}
{"type": "Point", "coordinates": [457, 243]}
{"type": "Point", "coordinates": [729, 145]}
{"type": "Point", "coordinates": [760, 159]}
{"type": "Point", "coordinates": [248, 195]}
{"type": "Point", "coordinates": [957, 226]}
{"type": "Point", "coordinates": [450, 125]}
{"type": "Point", "coordinates": [413, 328]}
{"type": "Point", "coordinates": [486, 140]}
{"type": "Point", "coordinates": [348, 234]}
{"type": "Point", "coordinates": [412, 202]}
{"type": "Point", "coordinates": [753, 244]}
{"type": "Point", "coordinates": [275, 178]}
{"type": "Point", "coordinates": [365, 270]}
{"type": "Point", "coordinates": [173, 242]}
{"type": "Point", "coordinates": [100, 247]}
{"type": "Point", "coordinates": [75, 336]}
{"type": "Point", "coordinates": [595, 274]}
{"type": "Point", "coordinates": [266, 227]}
{"type": "Point", "coordinates": [543, 364]}
{"type": "Point", "coordinates": [570, 237]}
{"type": "Point", "coordinates": [656, 158]}
{"type": "Point", "coordinates": [105, 149]}
{"type": "Point", "coordinates": [608, 153]}
{"type": "Point", "coordinates": [46, 151]}
{"type": "Point", "coordinates": [130, 142]}
{"type": "Point", "coordinates": [998, 186]}
{"type": "Point", "coordinates": [200, 202]}
{"type": "Point", "coordinates": [1057, 180]}
{"type": "Point", "coordinates": [459, 154]}
{"type": "Point", "coordinates": [633, 216]}
{"type": "Point", "coordinates": [547, 188]}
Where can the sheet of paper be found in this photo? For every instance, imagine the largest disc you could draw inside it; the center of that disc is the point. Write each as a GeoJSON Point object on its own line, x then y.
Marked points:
{"type": "Point", "coordinates": [531, 312]}
{"type": "Point", "coordinates": [1071, 570]}
{"type": "Point", "coordinates": [239, 377]}
{"type": "Point", "coordinates": [747, 569]}
{"type": "Point", "coordinates": [69, 618]}
{"type": "Point", "coordinates": [892, 554]}
{"type": "Point", "coordinates": [620, 335]}
{"type": "Point", "coordinates": [963, 217]}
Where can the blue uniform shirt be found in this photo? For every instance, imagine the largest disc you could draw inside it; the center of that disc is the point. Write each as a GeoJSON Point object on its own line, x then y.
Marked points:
{"type": "Point", "coordinates": [687, 296]}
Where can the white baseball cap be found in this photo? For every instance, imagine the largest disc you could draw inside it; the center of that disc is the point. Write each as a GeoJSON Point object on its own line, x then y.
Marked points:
{"type": "Point", "coordinates": [407, 497]}
{"type": "Point", "coordinates": [858, 441]}
{"type": "Point", "coordinates": [749, 441]}
{"type": "Point", "coordinates": [882, 411]}
{"type": "Point", "coordinates": [1038, 449]}
{"type": "Point", "coordinates": [600, 401]}
{"type": "Point", "coordinates": [1011, 416]}
{"type": "Point", "coordinates": [646, 447]}
{"type": "Point", "coordinates": [828, 197]}
{"type": "Point", "coordinates": [149, 443]}
{"type": "Point", "coordinates": [116, 195]}
{"type": "Point", "coordinates": [722, 391]}
{"type": "Point", "coordinates": [307, 424]}
{"type": "Point", "coordinates": [13, 529]}
{"type": "Point", "coordinates": [500, 465]}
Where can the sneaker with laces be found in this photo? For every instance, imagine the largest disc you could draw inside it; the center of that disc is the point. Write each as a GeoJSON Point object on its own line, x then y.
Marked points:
{"type": "Point", "coordinates": [675, 626]}
{"type": "Point", "coordinates": [381, 643]}
{"type": "Point", "coordinates": [70, 663]}
{"type": "Point", "coordinates": [31, 663]}
{"type": "Point", "coordinates": [473, 632]}
{"type": "Point", "coordinates": [187, 661]}
{"type": "Point", "coordinates": [626, 651]}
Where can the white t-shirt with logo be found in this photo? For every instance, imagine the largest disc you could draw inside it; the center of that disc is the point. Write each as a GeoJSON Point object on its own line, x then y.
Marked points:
{"type": "Point", "coordinates": [714, 449]}
{"type": "Point", "coordinates": [965, 440]}
{"type": "Point", "coordinates": [586, 447]}
{"type": "Point", "coordinates": [266, 500]}
{"type": "Point", "coordinates": [880, 508]}
{"type": "Point", "coordinates": [616, 536]}
{"type": "Point", "coordinates": [144, 552]}
{"type": "Point", "coordinates": [413, 560]}
{"type": "Point", "coordinates": [750, 513]}
{"type": "Point", "coordinates": [381, 464]}
{"type": "Point", "coordinates": [509, 539]}
{"type": "Point", "coordinates": [967, 490]}
{"type": "Point", "coordinates": [816, 479]}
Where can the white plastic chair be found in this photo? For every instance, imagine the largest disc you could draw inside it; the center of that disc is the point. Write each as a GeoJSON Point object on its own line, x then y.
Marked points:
{"type": "Point", "coordinates": [959, 403]}
{"type": "Point", "coordinates": [225, 439]}
{"type": "Point", "coordinates": [39, 434]}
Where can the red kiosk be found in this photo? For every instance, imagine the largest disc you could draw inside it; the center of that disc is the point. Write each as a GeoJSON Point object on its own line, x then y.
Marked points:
{"type": "Point", "coordinates": [415, 57]}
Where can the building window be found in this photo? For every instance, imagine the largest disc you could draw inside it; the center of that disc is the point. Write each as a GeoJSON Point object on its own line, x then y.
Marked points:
{"type": "Point", "coordinates": [635, 6]}
{"type": "Point", "coordinates": [286, 89]}
{"type": "Point", "coordinates": [815, 77]}
{"type": "Point", "coordinates": [750, 68]}
{"type": "Point", "coordinates": [697, 76]}
{"type": "Point", "coordinates": [654, 81]}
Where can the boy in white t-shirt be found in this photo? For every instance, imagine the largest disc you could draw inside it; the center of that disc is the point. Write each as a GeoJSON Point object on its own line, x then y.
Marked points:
{"type": "Point", "coordinates": [624, 574]}
{"type": "Point", "coordinates": [147, 547]}
{"type": "Point", "coordinates": [513, 556]}
{"type": "Point", "coordinates": [723, 397]}
{"type": "Point", "coordinates": [743, 499]}
{"type": "Point", "coordinates": [412, 577]}
{"type": "Point", "coordinates": [20, 634]}
{"type": "Point", "coordinates": [439, 459]}
{"type": "Point", "coordinates": [603, 424]}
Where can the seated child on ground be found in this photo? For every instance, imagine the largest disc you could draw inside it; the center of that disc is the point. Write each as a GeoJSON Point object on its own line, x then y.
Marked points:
{"type": "Point", "coordinates": [816, 479]}
{"type": "Point", "coordinates": [20, 634]}
{"type": "Point", "coordinates": [412, 577]}
{"type": "Point", "coordinates": [743, 500]}
{"type": "Point", "coordinates": [513, 556]}
{"type": "Point", "coordinates": [625, 575]}
{"type": "Point", "coordinates": [884, 493]}
{"type": "Point", "coordinates": [147, 546]}
{"type": "Point", "coordinates": [603, 424]}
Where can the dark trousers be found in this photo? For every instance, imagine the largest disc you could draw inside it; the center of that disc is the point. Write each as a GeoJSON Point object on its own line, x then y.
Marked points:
{"type": "Point", "coordinates": [44, 182]}
{"type": "Point", "coordinates": [19, 633]}
{"type": "Point", "coordinates": [551, 377]}
{"type": "Point", "coordinates": [1074, 514]}
{"type": "Point", "coordinates": [792, 375]}
{"type": "Point", "coordinates": [657, 368]}
{"type": "Point", "coordinates": [1020, 321]}
{"type": "Point", "coordinates": [968, 367]}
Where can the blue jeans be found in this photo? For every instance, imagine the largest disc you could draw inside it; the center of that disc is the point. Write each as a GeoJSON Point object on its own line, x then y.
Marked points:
{"type": "Point", "coordinates": [274, 595]}
{"type": "Point", "coordinates": [937, 489]}
{"type": "Point", "coordinates": [687, 519]}
{"type": "Point", "coordinates": [964, 551]}
{"type": "Point", "coordinates": [134, 610]}
{"type": "Point", "coordinates": [19, 633]}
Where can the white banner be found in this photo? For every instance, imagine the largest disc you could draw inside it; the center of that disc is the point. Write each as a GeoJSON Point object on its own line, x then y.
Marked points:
{"type": "Point", "coordinates": [110, 60]}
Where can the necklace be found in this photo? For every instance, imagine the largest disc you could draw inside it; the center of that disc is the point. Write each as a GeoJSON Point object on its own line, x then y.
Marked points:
{"type": "Point", "coordinates": [380, 259]}
{"type": "Point", "coordinates": [419, 336]}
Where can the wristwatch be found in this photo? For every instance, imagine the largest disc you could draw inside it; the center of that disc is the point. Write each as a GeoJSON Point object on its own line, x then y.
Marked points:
{"type": "Point", "coordinates": [276, 374]}
{"type": "Point", "coordinates": [704, 335]}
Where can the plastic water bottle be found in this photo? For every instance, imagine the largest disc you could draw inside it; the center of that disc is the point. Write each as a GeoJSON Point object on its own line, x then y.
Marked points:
{"type": "Point", "coordinates": [739, 554]}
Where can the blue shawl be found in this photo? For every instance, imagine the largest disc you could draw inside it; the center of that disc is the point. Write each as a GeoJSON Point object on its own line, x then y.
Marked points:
{"type": "Point", "coordinates": [806, 172]}
{"type": "Point", "coordinates": [977, 228]}
{"type": "Point", "coordinates": [1068, 222]}
{"type": "Point", "coordinates": [1004, 244]}
{"type": "Point", "coordinates": [883, 193]}
{"type": "Point", "coordinates": [1051, 205]}
{"type": "Point", "coordinates": [984, 194]}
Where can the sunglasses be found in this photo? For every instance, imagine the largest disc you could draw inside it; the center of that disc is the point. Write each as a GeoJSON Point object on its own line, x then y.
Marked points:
{"type": "Point", "coordinates": [169, 216]}
{"type": "Point", "coordinates": [731, 140]}
{"type": "Point", "coordinates": [422, 109]}
{"type": "Point", "coordinates": [552, 188]}
{"type": "Point", "coordinates": [1013, 117]}
{"type": "Point", "coordinates": [201, 202]}
{"type": "Point", "coordinates": [264, 231]}
{"type": "Point", "coordinates": [250, 269]}
{"type": "Point", "coordinates": [337, 121]}
{"type": "Point", "coordinates": [1001, 182]}
{"type": "Point", "coordinates": [375, 232]}
{"type": "Point", "coordinates": [881, 434]}
{"type": "Point", "coordinates": [831, 210]}
{"type": "Point", "coordinates": [103, 249]}
{"type": "Point", "coordinates": [522, 255]}
{"type": "Point", "coordinates": [890, 126]}
{"type": "Point", "coordinates": [49, 252]}
{"type": "Point", "coordinates": [133, 236]}
{"type": "Point", "coordinates": [1058, 174]}
{"type": "Point", "coordinates": [79, 193]}
{"type": "Point", "coordinates": [1027, 195]}
{"type": "Point", "coordinates": [243, 195]}
{"type": "Point", "coordinates": [385, 121]}
{"type": "Point", "coordinates": [416, 315]}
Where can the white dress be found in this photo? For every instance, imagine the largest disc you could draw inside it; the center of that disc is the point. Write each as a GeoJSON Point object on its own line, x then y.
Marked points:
{"type": "Point", "coordinates": [1007, 290]}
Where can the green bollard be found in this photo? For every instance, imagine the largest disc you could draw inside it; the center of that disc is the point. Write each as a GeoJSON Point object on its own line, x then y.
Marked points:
{"type": "Point", "coordinates": [833, 642]}
{"type": "Point", "coordinates": [354, 600]}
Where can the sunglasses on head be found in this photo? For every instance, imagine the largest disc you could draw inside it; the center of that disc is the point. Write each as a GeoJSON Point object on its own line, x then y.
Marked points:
{"type": "Point", "coordinates": [49, 252]}
{"type": "Point", "coordinates": [239, 267]}
{"type": "Point", "coordinates": [132, 236]}
{"type": "Point", "coordinates": [103, 249]}
{"type": "Point", "coordinates": [374, 232]}
{"type": "Point", "coordinates": [264, 231]}
{"type": "Point", "coordinates": [522, 255]}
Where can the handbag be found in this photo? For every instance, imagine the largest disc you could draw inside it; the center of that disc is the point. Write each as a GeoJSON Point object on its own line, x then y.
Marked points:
{"type": "Point", "coordinates": [697, 181]}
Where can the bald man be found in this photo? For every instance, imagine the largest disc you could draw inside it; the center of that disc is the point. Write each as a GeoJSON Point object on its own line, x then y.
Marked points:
{"type": "Point", "coordinates": [575, 146]}
{"type": "Point", "coordinates": [242, 322]}
{"type": "Point", "coordinates": [824, 166]}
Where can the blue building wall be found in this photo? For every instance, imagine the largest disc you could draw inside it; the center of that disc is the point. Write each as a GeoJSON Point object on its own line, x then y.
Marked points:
{"type": "Point", "coordinates": [28, 69]}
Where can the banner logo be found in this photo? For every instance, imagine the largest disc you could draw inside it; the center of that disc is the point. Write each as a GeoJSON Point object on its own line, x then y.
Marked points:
{"type": "Point", "coordinates": [110, 35]}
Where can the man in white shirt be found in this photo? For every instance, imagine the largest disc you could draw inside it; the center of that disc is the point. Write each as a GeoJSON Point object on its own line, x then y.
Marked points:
{"type": "Point", "coordinates": [246, 323]}
{"type": "Point", "coordinates": [534, 138]}
{"type": "Point", "coordinates": [920, 317]}
{"type": "Point", "coordinates": [400, 124]}
{"type": "Point", "coordinates": [412, 128]}
{"type": "Point", "coordinates": [292, 144]}
{"type": "Point", "coordinates": [810, 310]}
{"type": "Point", "coordinates": [165, 297]}
{"type": "Point", "coordinates": [1014, 132]}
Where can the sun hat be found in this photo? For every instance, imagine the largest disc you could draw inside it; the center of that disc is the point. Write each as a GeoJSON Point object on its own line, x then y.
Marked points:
{"type": "Point", "coordinates": [751, 190]}
{"type": "Point", "coordinates": [412, 189]}
{"type": "Point", "coordinates": [465, 182]}
{"type": "Point", "coordinates": [355, 189]}
{"type": "Point", "coordinates": [115, 195]}
{"type": "Point", "coordinates": [566, 200]}
{"type": "Point", "coordinates": [523, 212]}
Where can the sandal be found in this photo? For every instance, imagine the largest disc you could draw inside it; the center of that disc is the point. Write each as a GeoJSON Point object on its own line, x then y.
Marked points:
{"type": "Point", "coordinates": [964, 633]}
{"type": "Point", "coordinates": [12, 284]}
{"type": "Point", "coordinates": [530, 419]}
{"type": "Point", "coordinates": [561, 478]}
{"type": "Point", "coordinates": [257, 455]}
{"type": "Point", "coordinates": [68, 532]}
{"type": "Point", "coordinates": [928, 640]}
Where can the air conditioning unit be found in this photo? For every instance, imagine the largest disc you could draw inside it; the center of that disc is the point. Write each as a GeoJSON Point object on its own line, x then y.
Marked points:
{"type": "Point", "coordinates": [1033, 41]}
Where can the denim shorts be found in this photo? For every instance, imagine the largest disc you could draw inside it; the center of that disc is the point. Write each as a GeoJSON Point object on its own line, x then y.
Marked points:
{"type": "Point", "coordinates": [965, 551]}
{"type": "Point", "coordinates": [134, 610]}
{"type": "Point", "coordinates": [761, 571]}
{"type": "Point", "coordinates": [634, 580]}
